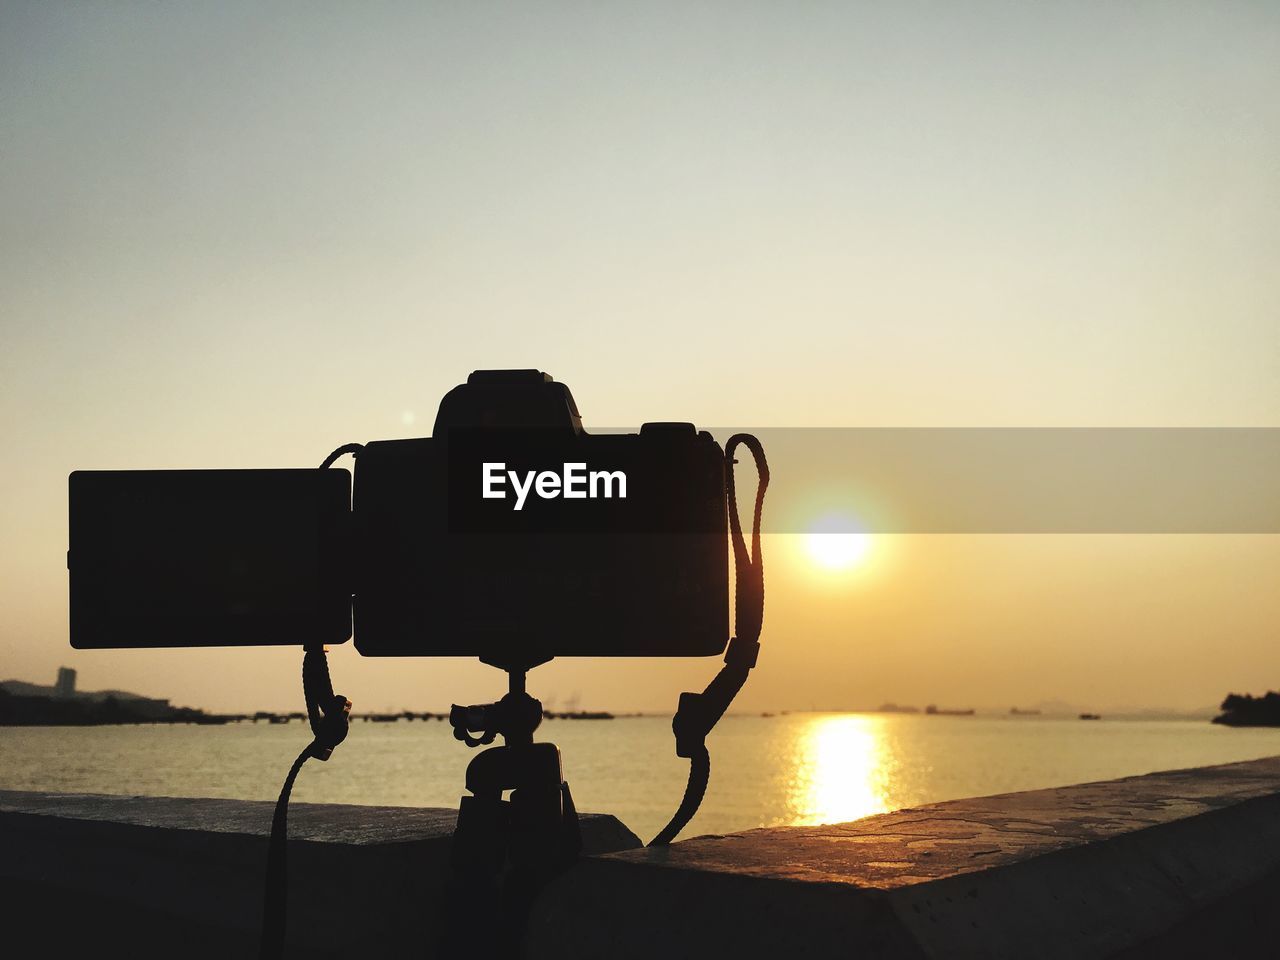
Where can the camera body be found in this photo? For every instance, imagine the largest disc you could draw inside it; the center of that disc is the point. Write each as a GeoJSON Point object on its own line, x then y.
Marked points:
{"type": "Point", "coordinates": [510, 534]}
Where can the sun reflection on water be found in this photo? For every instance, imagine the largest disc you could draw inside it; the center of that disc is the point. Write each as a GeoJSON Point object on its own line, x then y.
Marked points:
{"type": "Point", "coordinates": [841, 770]}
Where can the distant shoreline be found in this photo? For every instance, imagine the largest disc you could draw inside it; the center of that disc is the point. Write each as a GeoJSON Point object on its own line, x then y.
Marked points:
{"type": "Point", "coordinates": [191, 717]}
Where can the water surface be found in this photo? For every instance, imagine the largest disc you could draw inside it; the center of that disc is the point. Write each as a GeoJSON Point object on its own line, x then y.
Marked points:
{"type": "Point", "coordinates": [804, 768]}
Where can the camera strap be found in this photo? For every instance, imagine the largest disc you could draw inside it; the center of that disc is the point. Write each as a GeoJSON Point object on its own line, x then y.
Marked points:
{"type": "Point", "coordinates": [698, 713]}
{"type": "Point", "coordinates": [329, 715]}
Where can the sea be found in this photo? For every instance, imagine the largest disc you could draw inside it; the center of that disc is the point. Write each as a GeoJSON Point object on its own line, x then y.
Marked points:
{"type": "Point", "coordinates": [796, 768]}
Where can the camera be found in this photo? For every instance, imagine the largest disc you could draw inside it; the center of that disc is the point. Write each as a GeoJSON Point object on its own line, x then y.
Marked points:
{"type": "Point", "coordinates": [510, 534]}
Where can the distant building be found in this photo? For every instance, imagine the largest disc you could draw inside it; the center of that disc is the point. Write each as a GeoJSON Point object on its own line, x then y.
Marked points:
{"type": "Point", "coordinates": [65, 688]}
{"type": "Point", "coordinates": [30, 704]}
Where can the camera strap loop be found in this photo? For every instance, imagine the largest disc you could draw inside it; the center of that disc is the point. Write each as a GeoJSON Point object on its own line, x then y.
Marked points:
{"type": "Point", "coordinates": [698, 713]}
{"type": "Point", "coordinates": [329, 715]}
{"type": "Point", "coordinates": [330, 718]}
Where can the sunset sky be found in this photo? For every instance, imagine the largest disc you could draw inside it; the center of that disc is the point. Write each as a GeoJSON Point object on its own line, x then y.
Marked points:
{"type": "Point", "coordinates": [240, 235]}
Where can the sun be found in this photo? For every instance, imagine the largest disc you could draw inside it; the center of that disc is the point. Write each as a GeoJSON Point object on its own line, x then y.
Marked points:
{"type": "Point", "coordinates": [833, 545]}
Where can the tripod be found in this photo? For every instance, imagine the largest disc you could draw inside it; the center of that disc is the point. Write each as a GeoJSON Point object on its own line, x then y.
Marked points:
{"type": "Point", "coordinates": [509, 849]}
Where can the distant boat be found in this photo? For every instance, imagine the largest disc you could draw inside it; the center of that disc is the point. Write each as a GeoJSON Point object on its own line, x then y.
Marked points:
{"type": "Point", "coordinates": [766, 714]}
{"type": "Point", "coordinates": [933, 711]}
{"type": "Point", "coordinates": [1090, 716]}
{"type": "Point", "coordinates": [895, 708]}
{"type": "Point", "coordinates": [1015, 712]}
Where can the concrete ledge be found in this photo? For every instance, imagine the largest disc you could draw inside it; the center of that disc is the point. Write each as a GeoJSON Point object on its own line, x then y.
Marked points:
{"type": "Point", "coordinates": [1185, 863]}
{"type": "Point", "coordinates": [169, 876]}
{"type": "Point", "coordinates": [1160, 865]}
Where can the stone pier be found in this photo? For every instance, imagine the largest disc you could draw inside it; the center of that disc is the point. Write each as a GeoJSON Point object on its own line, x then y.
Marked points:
{"type": "Point", "coordinates": [1178, 864]}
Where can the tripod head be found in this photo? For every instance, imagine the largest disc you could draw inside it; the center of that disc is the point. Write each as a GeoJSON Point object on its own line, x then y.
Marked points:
{"type": "Point", "coordinates": [516, 716]}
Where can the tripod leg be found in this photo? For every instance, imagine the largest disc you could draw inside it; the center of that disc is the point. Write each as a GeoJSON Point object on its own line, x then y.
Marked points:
{"type": "Point", "coordinates": [570, 829]}
{"type": "Point", "coordinates": [544, 841]}
{"type": "Point", "coordinates": [536, 817]}
{"type": "Point", "coordinates": [478, 857]}
{"type": "Point", "coordinates": [479, 849]}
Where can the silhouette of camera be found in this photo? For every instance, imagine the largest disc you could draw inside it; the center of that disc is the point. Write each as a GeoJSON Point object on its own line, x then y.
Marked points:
{"type": "Point", "coordinates": [511, 534]}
